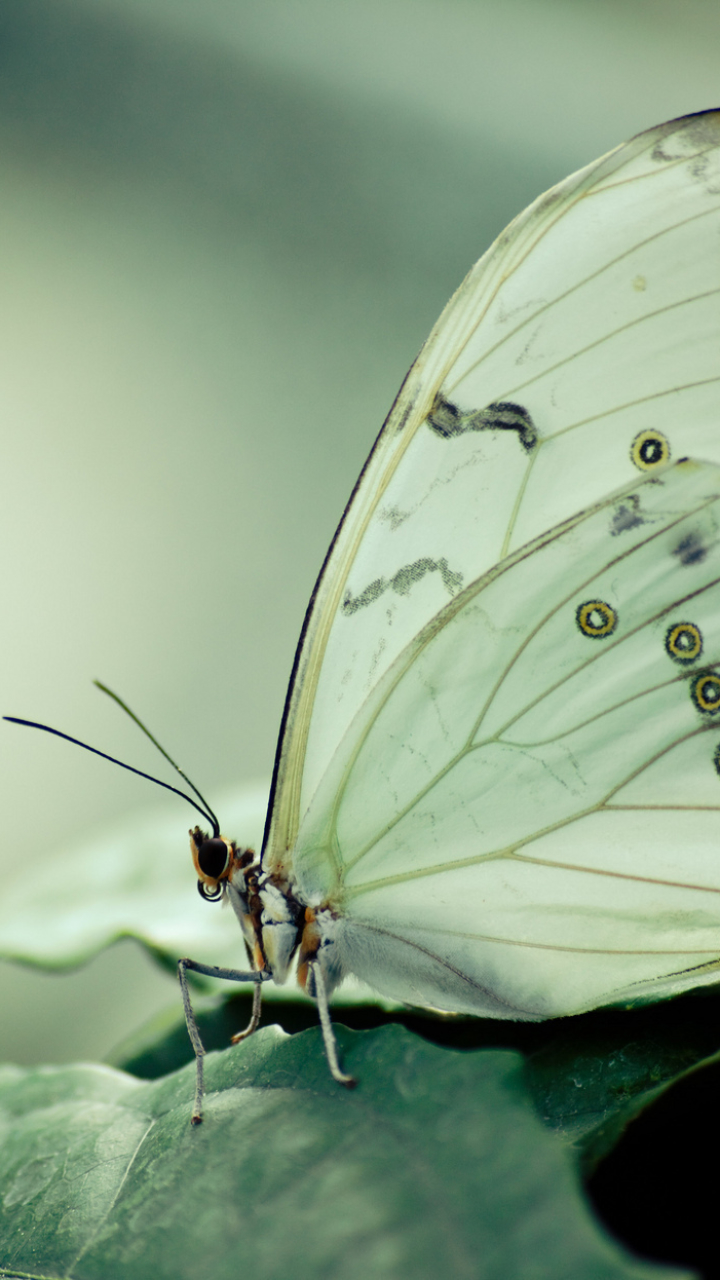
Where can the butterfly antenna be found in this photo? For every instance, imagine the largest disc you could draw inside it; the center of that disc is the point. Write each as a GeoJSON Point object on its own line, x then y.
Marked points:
{"type": "Point", "coordinates": [206, 811]}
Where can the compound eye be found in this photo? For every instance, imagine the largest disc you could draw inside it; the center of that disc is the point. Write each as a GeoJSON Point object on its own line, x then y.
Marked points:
{"type": "Point", "coordinates": [213, 857]}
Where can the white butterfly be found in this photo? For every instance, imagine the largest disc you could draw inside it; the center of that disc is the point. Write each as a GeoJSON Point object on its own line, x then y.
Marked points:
{"type": "Point", "coordinates": [497, 788]}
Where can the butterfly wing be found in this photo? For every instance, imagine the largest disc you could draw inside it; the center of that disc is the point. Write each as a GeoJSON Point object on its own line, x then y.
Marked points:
{"type": "Point", "coordinates": [583, 346]}
{"type": "Point", "coordinates": [524, 818]}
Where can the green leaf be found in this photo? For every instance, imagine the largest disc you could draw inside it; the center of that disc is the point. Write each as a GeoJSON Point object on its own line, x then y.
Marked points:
{"type": "Point", "coordinates": [590, 1076]}
{"type": "Point", "coordinates": [435, 1164]}
{"type": "Point", "coordinates": [654, 1187]}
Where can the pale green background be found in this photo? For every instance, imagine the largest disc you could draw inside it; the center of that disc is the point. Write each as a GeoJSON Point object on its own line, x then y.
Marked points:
{"type": "Point", "coordinates": [226, 226]}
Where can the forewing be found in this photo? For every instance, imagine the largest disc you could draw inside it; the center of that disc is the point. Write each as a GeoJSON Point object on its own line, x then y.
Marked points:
{"type": "Point", "coordinates": [524, 819]}
{"type": "Point", "coordinates": [593, 322]}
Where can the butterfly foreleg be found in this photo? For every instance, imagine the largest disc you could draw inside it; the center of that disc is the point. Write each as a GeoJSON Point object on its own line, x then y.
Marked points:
{"type": "Point", "coordinates": [230, 975]}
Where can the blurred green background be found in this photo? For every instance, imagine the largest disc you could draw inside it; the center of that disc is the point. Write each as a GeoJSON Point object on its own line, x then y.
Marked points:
{"type": "Point", "coordinates": [226, 227]}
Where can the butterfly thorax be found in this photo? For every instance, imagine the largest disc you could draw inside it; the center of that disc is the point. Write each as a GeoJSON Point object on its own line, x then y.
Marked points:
{"type": "Point", "coordinates": [279, 923]}
{"type": "Point", "coordinates": [276, 925]}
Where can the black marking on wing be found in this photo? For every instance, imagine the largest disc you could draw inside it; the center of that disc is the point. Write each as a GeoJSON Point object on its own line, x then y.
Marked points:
{"type": "Point", "coordinates": [627, 515]}
{"type": "Point", "coordinates": [447, 420]}
{"type": "Point", "coordinates": [402, 582]}
{"type": "Point", "coordinates": [691, 550]}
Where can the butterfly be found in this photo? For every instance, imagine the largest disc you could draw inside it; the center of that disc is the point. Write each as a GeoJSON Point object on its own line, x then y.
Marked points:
{"type": "Point", "coordinates": [497, 785]}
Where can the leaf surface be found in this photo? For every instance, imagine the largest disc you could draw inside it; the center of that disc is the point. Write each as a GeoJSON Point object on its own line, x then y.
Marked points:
{"type": "Point", "coordinates": [436, 1162]}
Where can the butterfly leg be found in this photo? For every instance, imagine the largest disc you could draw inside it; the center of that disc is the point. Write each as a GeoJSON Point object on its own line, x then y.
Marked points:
{"type": "Point", "coordinates": [318, 983]}
{"type": "Point", "coordinates": [254, 1017]}
{"type": "Point", "coordinates": [212, 971]}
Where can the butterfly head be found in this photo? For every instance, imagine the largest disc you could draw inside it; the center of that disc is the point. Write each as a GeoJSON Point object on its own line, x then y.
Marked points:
{"type": "Point", "coordinates": [216, 859]}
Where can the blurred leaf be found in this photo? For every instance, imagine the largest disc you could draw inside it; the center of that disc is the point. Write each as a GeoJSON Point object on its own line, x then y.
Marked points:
{"type": "Point", "coordinates": [129, 879]}
{"type": "Point", "coordinates": [135, 879]}
{"type": "Point", "coordinates": [436, 1163]}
